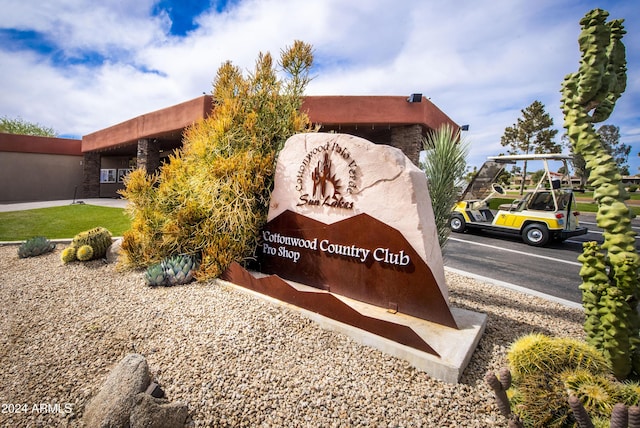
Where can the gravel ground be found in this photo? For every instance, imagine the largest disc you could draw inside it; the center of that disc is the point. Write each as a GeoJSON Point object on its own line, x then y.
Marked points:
{"type": "Point", "coordinates": [235, 359]}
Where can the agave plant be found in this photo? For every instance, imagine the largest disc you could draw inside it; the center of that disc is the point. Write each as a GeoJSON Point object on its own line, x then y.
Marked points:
{"type": "Point", "coordinates": [35, 247]}
{"type": "Point", "coordinates": [179, 269]}
{"type": "Point", "coordinates": [174, 270]}
{"type": "Point", "coordinates": [155, 275]}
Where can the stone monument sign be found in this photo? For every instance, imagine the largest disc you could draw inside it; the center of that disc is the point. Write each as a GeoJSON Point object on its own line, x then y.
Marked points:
{"type": "Point", "coordinates": [355, 218]}
{"type": "Point", "coordinates": [351, 236]}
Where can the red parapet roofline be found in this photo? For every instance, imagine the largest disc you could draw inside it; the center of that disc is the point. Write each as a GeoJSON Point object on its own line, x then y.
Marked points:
{"type": "Point", "coordinates": [324, 110]}
{"type": "Point", "coordinates": [43, 145]}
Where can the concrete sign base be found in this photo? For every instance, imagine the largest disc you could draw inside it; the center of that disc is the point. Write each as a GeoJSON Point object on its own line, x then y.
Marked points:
{"type": "Point", "coordinates": [425, 345]}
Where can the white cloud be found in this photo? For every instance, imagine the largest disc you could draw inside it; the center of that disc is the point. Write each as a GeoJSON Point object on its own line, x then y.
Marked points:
{"type": "Point", "coordinates": [80, 25]}
{"type": "Point", "coordinates": [480, 62]}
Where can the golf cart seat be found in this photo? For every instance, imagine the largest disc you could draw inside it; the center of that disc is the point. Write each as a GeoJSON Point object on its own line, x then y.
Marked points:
{"type": "Point", "coordinates": [542, 201]}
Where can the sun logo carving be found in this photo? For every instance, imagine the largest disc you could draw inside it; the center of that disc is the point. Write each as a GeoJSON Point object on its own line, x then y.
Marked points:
{"type": "Point", "coordinates": [325, 182]}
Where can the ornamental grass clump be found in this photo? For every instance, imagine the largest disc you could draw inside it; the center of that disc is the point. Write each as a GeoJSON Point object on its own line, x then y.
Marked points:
{"type": "Point", "coordinates": [212, 197]}
{"type": "Point", "coordinates": [444, 166]}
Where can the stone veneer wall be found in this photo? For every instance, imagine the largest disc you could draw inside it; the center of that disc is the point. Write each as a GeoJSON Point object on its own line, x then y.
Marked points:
{"type": "Point", "coordinates": [91, 175]}
{"type": "Point", "coordinates": [406, 138]}
{"type": "Point", "coordinates": [409, 140]}
{"type": "Point", "coordinates": [148, 155]}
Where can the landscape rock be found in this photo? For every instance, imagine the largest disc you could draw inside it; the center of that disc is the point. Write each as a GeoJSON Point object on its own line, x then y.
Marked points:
{"type": "Point", "coordinates": [151, 412]}
{"type": "Point", "coordinates": [155, 391]}
{"type": "Point", "coordinates": [112, 406]}
{"type": "Point", "coordinates": [114, 251]}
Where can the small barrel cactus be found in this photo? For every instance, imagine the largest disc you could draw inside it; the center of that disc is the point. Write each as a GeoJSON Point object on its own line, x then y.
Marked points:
{"type": "Point", "coordinates": [98, 238]}
{"type": "Point", "coordinates": [35, 247]}
{"type": "Point", "coordinates": [546, 371]}
{"type": "Point", "coordinates": [69, 255]}
{"type": "Point", "coordinates": [84, 253]}
{"type": "Point", "coordinates": [88, 245]}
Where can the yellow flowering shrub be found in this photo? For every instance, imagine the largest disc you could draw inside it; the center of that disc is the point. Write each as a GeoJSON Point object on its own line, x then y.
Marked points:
{"type": "Point", "coordinates": [212, 197]}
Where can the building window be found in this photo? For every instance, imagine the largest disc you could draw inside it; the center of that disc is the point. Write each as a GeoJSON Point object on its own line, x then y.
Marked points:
{"type": "Point", "coordinates": [107, 176]}
{"type": "Point", "coordinates": [122, 173]}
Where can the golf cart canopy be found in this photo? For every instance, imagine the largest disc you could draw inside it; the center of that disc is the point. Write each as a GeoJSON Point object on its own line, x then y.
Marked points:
{"type": "Point", "coordinates": [480, 187]}
{"type": "Point", "coordinates": [536, 156]}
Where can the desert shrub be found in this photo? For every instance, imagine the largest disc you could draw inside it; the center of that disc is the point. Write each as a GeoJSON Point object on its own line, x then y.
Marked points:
{"type": "Point", "coordinates": [212, 197]}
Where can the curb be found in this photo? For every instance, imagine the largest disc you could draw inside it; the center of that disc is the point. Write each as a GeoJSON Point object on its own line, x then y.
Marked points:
{"type": "Point", "coordinates": [514, 287]}
{"type": "Point", "coordinates": [55, 241]}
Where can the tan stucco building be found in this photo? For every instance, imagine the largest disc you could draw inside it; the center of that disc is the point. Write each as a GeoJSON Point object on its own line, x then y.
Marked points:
{"type": "Point", "coordinates": [97, 163]}
{"type": "Point", "coordinates": [144, 140]}
{"type": "Point", "coordinates": [39, 168]}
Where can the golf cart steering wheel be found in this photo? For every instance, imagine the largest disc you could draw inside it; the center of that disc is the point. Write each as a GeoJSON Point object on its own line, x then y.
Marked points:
{"type": "Point", "coordinates": [498, 189]}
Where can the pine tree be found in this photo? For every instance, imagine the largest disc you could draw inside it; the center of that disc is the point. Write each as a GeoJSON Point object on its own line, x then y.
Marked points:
{"type": "Point", "coordinates": [532, 133]}
{"type": "Point", "coordinates": [610, 138]}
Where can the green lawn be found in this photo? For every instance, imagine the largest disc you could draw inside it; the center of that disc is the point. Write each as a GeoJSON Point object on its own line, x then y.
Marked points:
{"type": "Point", "coordinates": [61, 222]}
{"type": "Point", "coordinates": [591, 207]}
{"type": "Point", "coordinates": [634, 196]}
{"type": "Point", "coordinates": [585, 207]}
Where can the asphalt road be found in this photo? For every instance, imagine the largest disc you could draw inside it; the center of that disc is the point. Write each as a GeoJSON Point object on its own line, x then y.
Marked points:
{"type": "Point", "coordinates": [552, 270]}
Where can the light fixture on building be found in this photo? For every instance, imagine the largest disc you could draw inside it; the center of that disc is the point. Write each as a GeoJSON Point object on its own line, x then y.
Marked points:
{"type": "Point", "coordinates": [415, 98]}
{"type": "Point", "coordinates": [464, 128]}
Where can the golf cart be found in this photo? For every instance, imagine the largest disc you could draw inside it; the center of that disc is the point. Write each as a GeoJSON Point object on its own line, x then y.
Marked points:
{"type": "Point", "coordinates": [547, 213]}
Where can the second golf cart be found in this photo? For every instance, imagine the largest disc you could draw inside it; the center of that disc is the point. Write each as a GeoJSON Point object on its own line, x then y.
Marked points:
{"type": "Point", "coordinates": [547, 213]}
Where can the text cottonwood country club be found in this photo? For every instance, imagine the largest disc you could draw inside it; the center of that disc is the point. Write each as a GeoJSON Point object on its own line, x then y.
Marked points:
{"type": "Point", "coordinates": [380, 254]}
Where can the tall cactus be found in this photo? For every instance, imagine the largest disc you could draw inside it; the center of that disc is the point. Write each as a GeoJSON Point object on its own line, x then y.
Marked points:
{"type": "Point", "coordinates": [610, 281]}
{"type": "Point", "coordinates": [594, 285]}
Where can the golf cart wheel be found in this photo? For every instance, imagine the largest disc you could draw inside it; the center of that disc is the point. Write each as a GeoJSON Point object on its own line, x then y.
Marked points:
{"type": "Point", "coordinates": [535, 234]}
{"type": "Point", "coordinates": [457, 224]}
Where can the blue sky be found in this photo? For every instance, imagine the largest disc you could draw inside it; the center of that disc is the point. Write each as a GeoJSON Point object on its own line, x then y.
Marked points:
{"type": "Point", "coordinates": [79, 66]}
